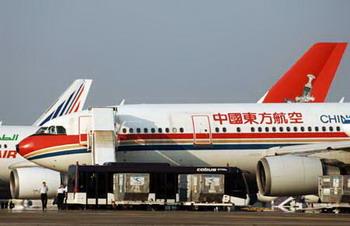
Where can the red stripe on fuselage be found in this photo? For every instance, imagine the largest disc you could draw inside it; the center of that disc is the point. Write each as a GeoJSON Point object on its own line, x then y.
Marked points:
{"type": "Point", "coordinates": [37, 142]}
{"type": "Point", "coordinates": [234, 135]}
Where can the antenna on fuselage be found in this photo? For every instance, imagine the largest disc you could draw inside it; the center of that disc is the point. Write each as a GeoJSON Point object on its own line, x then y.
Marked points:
{"type": "Point", "coordinates": [122, 102]}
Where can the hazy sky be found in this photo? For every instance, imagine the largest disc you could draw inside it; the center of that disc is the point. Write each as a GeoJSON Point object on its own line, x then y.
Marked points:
{"type": "Point", "coordinates": [158, 51]}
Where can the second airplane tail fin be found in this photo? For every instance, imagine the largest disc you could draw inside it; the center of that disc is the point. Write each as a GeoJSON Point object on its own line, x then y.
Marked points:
{"type": "Point", "coordinates": [315, 71]}
{"type": "Point", "coordinates": [72, 100]}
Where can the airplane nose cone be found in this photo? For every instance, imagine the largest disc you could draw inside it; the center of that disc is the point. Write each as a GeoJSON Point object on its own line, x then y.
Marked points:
{"type": "Point", "coordinates": [26, 146]}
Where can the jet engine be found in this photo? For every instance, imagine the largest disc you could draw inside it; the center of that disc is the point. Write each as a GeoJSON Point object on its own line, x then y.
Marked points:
{"type": "Point", "coordinates": [25, 183]}
{"type": "Point", "coordinates": [291, 175]}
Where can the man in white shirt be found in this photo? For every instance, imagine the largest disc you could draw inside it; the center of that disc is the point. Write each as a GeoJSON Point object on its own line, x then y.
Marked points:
{"type": "Point", "coordinates": [43, 195]}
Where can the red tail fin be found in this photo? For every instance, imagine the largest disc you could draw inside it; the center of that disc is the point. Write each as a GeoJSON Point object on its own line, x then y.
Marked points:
{"type": "Point", "coordinates": [322, 61]}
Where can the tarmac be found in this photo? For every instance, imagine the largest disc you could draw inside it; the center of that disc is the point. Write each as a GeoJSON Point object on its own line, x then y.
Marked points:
{"type": "Point", "coordinates": [123, 217]}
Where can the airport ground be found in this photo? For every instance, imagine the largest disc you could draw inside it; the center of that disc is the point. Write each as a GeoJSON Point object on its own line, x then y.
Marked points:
{"type": "Point", "coordinates": [90, 217]}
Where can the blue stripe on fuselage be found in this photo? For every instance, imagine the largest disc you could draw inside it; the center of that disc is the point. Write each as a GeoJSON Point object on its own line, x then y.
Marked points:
{"type": "Point", "coordinates": [190, 147]}
{"type": "Point", "coordinates": [60, 153]}
{"type": "Point", "coordinates": [232, 147]}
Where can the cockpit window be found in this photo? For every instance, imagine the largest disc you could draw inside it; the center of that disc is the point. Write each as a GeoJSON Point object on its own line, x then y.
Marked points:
{"type": "Point", "coordinates": [51, 130]}
{"type": "Point", "coordinates": [42, 130]}
{"type": "Point", "coordinates": [60, 130]}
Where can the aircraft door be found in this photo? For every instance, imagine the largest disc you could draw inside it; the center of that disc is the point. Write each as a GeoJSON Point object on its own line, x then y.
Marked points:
{"type": "Point", "coordinates": [201, 130]}
{"type": "Point", "coordinates": [85, 131]}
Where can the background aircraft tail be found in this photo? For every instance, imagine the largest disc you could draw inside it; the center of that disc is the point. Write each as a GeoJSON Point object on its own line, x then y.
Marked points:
{"type": "Point", "coordinates": [72, 100]}
{"type": "Point", "coordinates": [321, 61]}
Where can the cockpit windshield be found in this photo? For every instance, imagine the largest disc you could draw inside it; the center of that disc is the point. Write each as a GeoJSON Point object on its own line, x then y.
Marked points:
{"type": "Point", "coordinates": [60, 130]}
{"type": "Point", "coordinates": [51, 130]}
{"type": "Point", "coordinates": [42, 130]}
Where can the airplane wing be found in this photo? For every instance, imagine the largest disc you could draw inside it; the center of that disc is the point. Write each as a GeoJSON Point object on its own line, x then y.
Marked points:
{"type": "Point", "coordinates": [309, 149]}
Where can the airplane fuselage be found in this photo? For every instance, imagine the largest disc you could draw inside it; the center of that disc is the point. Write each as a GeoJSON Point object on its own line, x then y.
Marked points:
{"type": "Point", "coordinates": [204, 134]}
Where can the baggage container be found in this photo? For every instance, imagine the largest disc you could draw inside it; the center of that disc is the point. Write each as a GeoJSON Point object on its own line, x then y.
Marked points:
{"type": "Point", "coordinates": [334, 189]}
{"type": "Point", "coordinates": [131, 186]}
{"type": "Point", "coordinates": [201, 188]}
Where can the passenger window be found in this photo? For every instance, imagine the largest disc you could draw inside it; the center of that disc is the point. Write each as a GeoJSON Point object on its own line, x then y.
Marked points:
{"type": "Point", "coordinates": [266, 129]}
{"type": "Point", "coordinates": [238, 129]}
{"type": "Point", "coordinates": [181, 130]}
{"type": "Point", "coordinates": [131, 130]}
{"type": "Point", "coordinates": [338, 128]}
{"type": "Point", "coordinates": [0, 145]}
{"type": "Point", "coordinates": [217, 129]}
{"type": "Point", "coordinates": [259, 129]}
{"type": "Point", "coordinates": [281, 129]}
{"type": "Point", "coordinates": [124, 130]}
{"type": "Point", "coordinates": [288, 129]}
{"type": "Point", "coordinates": [302, 129]}
{"type": "Point", "coordinates": [138, 130]}
{"type": "Point", "coordinates": [309, 128]}
{"type": "Point", "coordinates": [323, 128]}
{"type": "Point", "coordinates": [167, 130]}
{"type": "Point", "coordinates": [331, 128]}
{"type": "Point", "coordinates": [295, 129]}
{"type": "Point", "coordinates": [160, 130]}
{"type": "Point", "coordinates": [224, 129]}
{"type": "Point", "coordinates": [316, 128]}
{"type": "Point", "coordinates": [252, 129]}
{"type": "Point", "coordinates": [145, 130]}
{"type": "Point", "coordinates": [153, 130]}
{"type": "Point", "coordinates": [174, 130]}
{"type": "Point", "coordinates": [5, 145]}
{"type": "Point", "coordinates": [273, 129]}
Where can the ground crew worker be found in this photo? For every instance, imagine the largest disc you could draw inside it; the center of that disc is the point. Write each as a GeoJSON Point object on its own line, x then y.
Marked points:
{"type": "Point", "coordinates": [60, 196]}
{"type": "Point", "coordinates": [43, 195]}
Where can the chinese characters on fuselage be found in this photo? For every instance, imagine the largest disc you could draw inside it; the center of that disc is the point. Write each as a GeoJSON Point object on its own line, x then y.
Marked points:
{"type": "Point", "coordinates": [239, 118]}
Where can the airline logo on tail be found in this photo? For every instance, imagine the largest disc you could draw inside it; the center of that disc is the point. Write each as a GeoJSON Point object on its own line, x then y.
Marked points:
{"type": "Point", "coordinates": [72, 100]}
{"type": "Point", "coordinates": [310, 78]}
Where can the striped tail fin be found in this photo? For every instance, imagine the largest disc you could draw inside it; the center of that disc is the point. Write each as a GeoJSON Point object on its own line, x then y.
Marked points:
{"type": "Point", "coordinates": [72, 100]}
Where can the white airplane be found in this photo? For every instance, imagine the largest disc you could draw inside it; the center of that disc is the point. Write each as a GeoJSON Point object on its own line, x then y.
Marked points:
{"type": "Point", "coordinates": [320, 52]}
{"type": "Point", "coordinates": [25, 176]}
{"type": "Point", "coordinates": [284, 146]}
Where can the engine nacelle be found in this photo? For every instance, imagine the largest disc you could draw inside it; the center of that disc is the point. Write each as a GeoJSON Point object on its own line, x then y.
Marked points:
{"type": "Point", "coordinates": [289, 175]}
{"type": "Point", "coordinates": [25, 183]}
